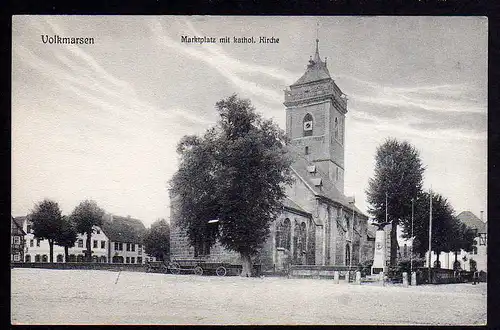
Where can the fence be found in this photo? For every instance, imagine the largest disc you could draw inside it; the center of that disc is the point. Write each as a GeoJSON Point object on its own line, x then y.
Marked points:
{"type": "Point", "coordinates": [317, 271]}
{"type": "Point", "coordinates": [446, 276]}
{"type": "Point", "coordinates": [80, 265]}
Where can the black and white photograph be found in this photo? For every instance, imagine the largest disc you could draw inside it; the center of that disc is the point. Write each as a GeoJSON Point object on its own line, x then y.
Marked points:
{"type": "Point", "coordinates": [249, 170]}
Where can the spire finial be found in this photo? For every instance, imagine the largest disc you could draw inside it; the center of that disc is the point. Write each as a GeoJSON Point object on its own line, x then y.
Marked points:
{"type": "Point", "coordinates": [317, 59]}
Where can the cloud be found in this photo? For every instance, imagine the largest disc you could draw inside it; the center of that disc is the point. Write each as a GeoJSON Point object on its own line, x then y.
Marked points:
{"type": "Point", "coordinates": [228, 67]}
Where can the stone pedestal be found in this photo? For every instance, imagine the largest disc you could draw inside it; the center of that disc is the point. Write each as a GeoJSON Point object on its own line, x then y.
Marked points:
{"type": "Point", "coordinates": [336, 277]}
{"type": "Point", "coordinates": [405, 279]}
{"type": "Point", "coordinates": [413, 278]}
{"type": "Point", "coordinates": [358, 278]}
{"type": "Point", "coordinates": [379, 257]}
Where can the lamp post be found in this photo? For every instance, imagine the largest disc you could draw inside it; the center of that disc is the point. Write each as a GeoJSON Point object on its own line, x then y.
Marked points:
{"type": "Point", "coordinates": [430, 235]}
{"type": "Point", "coordinates": [412, 238]}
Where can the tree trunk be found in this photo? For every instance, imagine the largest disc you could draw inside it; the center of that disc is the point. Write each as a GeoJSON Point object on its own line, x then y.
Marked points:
{"type": "Point", "coordinates": [51, 250]}
{"type": "Point", "coordinates": [89, 247]}
{"type": "Point", "coordinates": [394, 243]}
{"type": "Point", "coordinates": [246, 269]}
{"type": "Point", "coordinates": [66, 254]}
{"type": "Point", "coordinates": [456, 253]}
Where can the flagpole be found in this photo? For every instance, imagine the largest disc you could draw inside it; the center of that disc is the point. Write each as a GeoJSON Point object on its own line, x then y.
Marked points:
{"type": "Point", "coordinates": [430, 234]}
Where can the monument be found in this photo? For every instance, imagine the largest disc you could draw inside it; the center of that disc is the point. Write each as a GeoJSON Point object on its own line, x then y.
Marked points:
{"type": "Point", "coordinates": [379, 256]}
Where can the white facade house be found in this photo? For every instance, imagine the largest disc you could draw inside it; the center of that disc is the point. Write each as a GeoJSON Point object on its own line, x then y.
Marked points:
{"type": "Point", "coordinates": [479, 253]}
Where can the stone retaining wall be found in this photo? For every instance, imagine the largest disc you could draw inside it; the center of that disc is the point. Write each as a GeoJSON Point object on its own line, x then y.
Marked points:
{"type": "Point", "coordinates": [80, 265]}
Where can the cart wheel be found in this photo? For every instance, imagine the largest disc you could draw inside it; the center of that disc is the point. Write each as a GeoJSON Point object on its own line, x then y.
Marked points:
{"type": "Point", "coordinates": [220, 271]}
{"type": "Point", "coordinates": [164, 269]}
{"type": "Point", "coordinates": [148, 270]}
{"type": "Point", "coordinates": [175, 268]}
{"type": "Point", "coordinates": [198, 270]}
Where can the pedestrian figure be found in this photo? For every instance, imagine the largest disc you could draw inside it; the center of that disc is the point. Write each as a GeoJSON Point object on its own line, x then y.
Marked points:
{"type": "Point", "coordinates": [475, 277]}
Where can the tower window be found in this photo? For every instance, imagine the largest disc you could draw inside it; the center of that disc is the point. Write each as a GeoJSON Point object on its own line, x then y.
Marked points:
{"type": "Point", "coordinates": [336, 128]}
{"type": "Point", "coordinates": [306, 150]}
{"type": "Point", "coordinates": [308, 125]}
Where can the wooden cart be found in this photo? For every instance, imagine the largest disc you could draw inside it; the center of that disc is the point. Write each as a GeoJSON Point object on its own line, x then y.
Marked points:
{"type": "Point", "coordinates": [199, 267]}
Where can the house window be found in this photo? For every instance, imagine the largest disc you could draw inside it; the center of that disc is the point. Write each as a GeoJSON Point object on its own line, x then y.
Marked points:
{"type": "Point", "coordinates": [97, 231]}
{"type": "Point", "coordinates": [128, 246]}
{"type": "Point", "coordinates": [31, 243]}
{"type": "Point", "coordinates": [37, 258]}
{"type": "Point", "coordinates": [133, 247]}
{"type": "Point", "coordinates": [306, 150]}
{"type": "Point", "coordinates": [127, 260]}
{"type": "Point", "coordinates": [139, 260]}
{"type": "Point", "coordinates": [308, 125]}
{"type": "Point", "coordinates": [28, 258]}
{"type": "Point", "coordinates": [139, 249]}
{"type": "Point", "coordinates": [17, 240]}
{"type": "Point", "coordinates": [80, 243]}
{"type": "Point", "coordinates": [474, 250]}
{"type": "Point", "coordinates": [44, 258]}
{"type": "Point", "coordinates": [95, 244]}
{"type": "Point", "coordinates": [17, 257]}
{"type": "Point", "coordinates": [28, 229]}
{"type": "Point", "coordinates": [103, 244]}
{"type": "Point", "coordinates": [120, 247]}
{"type": "Point", "coordinates": [405, 251]}
{"type": "Point", "coordinates": [59, 258]}
{"type": "Point", "coordinates": [117, 247]}
{"type": "Point", "coordinates": [482, 239]}
{"type": "Point", "coordinates": [38, 242]}
{"type": "Point", "coordinates": [132, 260]}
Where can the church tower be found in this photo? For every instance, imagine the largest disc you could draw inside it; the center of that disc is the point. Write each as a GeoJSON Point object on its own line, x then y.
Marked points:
{"type": "Point", "coordinates": [315, 119]}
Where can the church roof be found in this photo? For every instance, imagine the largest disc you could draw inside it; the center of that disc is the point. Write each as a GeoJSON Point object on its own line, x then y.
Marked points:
{"type": "Point", "coordinates": [316, 70]}
{"type": "Point", "coordinates": [473, 222]}
{"type": "Point", "coordinates": [327, 188]}
{"type": "Point", "coordinates": [288, 203]}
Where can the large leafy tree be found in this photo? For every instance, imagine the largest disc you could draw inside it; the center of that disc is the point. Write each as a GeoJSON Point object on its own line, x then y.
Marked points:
{"type": "Point", "coordinates": [46, 222]}
{"type": "Point", "coordinates": [237, 173]}
{"type": "Point", "coordinates": [157, 240]}
{"type": "Point", "coordinates": [398, 178]}
{"type": "Point", "coordinates": [462, 238]}
{"type": "Point", "coordinates": [446, 229]}
{"type": "Point", "coordinates": [85, 216]}
{"type": "Point", "coordinates": [66, 236]}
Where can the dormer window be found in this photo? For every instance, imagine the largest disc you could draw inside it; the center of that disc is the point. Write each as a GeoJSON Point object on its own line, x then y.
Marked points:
{"type": "Point", "coordinates": [308, 125]}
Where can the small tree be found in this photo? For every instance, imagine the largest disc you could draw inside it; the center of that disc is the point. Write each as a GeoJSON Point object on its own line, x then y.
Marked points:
{"type": "Point", "coordinates": [66, 236]}
{"type": "Point", "coordinates": [46, 219]}
{"type": "Point", "coordinates": [85, 216]}
{"type": "Point", "coordinates": [236, 173]}
{"type": "Point", "coordinates": [157, 240]}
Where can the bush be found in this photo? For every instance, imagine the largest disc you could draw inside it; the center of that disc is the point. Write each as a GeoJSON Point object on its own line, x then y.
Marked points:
{"type": "Point", "coordinates": [365, 267]}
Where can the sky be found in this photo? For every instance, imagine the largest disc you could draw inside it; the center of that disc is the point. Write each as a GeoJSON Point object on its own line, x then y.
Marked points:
{"type": "Point", "coordinates": [101, 121]}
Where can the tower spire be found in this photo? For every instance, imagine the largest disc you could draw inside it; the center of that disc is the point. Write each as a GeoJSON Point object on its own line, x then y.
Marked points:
{"type": "Point", "coordinates": [317, 59]}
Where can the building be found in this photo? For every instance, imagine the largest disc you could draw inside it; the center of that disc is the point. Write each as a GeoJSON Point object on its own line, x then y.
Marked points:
{"type": "Point", "coordinates": [319, 225]}
{"type": "Point", "coordinates": [119, 240]}
{"type": "Point", "coordinates": [17, 241]}
{"type": "Point", "coordinates": [125, 240]}
{"type": "Point", "coordinates": [479, 254]}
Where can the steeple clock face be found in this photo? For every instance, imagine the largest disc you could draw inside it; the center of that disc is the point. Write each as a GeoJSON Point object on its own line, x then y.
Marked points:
{"type": "Point", "coordinates": [308, 126]}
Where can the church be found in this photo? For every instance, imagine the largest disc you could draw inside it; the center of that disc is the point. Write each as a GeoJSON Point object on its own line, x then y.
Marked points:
{"type": "Point", "coordinates": [319, 225]}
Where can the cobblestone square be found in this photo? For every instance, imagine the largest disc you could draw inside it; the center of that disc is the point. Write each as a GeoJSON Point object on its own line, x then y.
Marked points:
{"type": "Point", "coordinates": [42, 296]}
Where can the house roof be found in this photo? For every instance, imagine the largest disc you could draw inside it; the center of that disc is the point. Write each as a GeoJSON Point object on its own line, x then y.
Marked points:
{"type": "Point", "coordinates": [18, 222]}
{"type": "Point", "coordinates": [123, 229]}
{"type": "Point", "coordinates": [316, 70]}
{"type": "Point", "coordinates": [473, 222]}
{"type": "Point", "coordinates": [327, 188]}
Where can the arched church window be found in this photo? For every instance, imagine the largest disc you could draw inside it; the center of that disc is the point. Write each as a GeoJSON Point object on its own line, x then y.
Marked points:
{"type": "Point", "coordinates": [308, 125]}
{"type": "Point", "coordinates": [306, 150]}
{"type": "Point", "coordinates": [336, 128]}
{"type": "Point", "coordinates": [286, 234]}
{"type": "Point", "coordinates": [303, 233]}
{"type": "Point", "coordinates": [279, 234]}
{"type": "Point", "coordinates": [347, 254]}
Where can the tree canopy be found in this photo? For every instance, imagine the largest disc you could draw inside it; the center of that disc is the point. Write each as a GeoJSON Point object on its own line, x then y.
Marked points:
{"type": "Point", "coordinates": [397, 179]}
{"type": "Point", "coordinates": [46, 222]}
{"type": "Point", "coordinates": [66, 235]}
{"type": "Point", "coordinates": [236, 172]}
{"type": "Point", "coordinates": [157, 240]}
{"type": "Point", "coordinates": [86, 215]}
